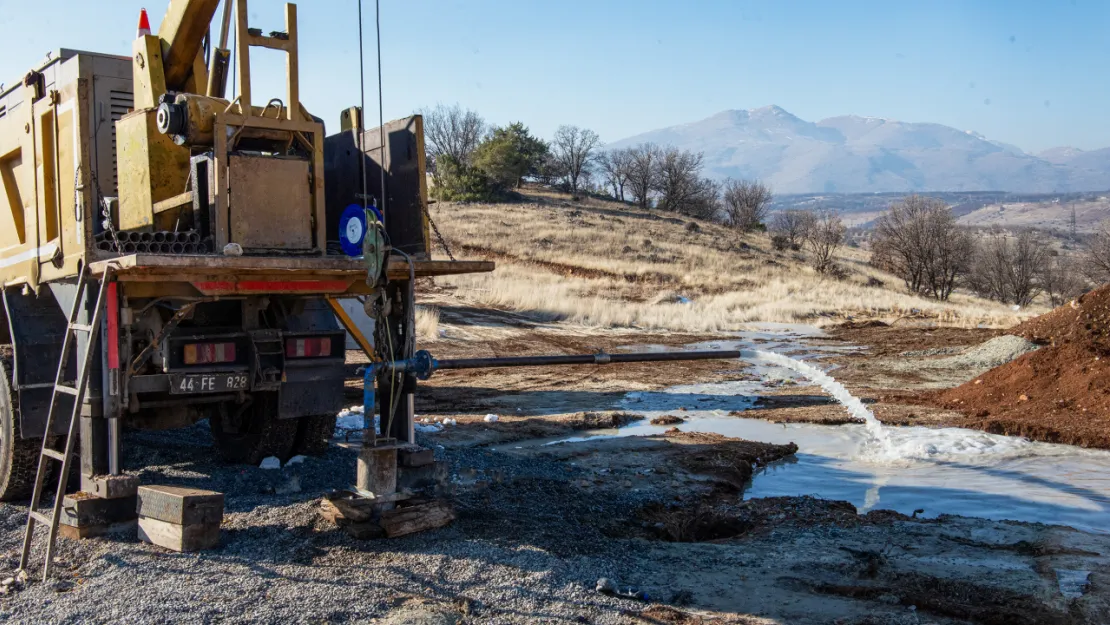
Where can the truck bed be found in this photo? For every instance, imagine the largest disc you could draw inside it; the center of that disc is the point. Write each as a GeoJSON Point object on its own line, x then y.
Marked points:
{"type": "Point", "coordinates": [249, 275]}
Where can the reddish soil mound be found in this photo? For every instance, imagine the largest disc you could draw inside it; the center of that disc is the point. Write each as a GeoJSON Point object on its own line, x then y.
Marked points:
{"type": "Point", "coordinates": [1084, 321]}
{"type": "Point", "coordinates": [1059, 393]}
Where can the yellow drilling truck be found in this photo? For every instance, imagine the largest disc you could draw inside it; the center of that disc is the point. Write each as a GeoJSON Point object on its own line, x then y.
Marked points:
{"type": "Point", "coordinates": [206, 230]}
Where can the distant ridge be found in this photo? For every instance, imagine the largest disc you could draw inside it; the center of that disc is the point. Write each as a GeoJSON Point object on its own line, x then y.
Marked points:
{"type": "Point", "coordinates": [853, 154]}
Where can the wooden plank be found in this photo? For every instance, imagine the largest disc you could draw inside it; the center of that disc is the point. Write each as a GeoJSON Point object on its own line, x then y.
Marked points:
{"type": "Point", "coordinates": [113, 486]}
{"type": "Point", "coordinates": [92, 531]}
{"type": "Point", "coordinates": [180, 505]}
{"type": "Point", "coordinates": [176, 537]}
{"type": "Point", "coordinates": [82, 509]}
{"type": "Point", "coordinates": [403, 521]}
{"type": "Point", "coordinates": [177, 201]}
{"type": "Point", "coordinates": [339, 508]}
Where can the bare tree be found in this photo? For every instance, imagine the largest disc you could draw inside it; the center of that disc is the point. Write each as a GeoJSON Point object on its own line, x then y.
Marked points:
{"type": "Point", "coordinates": [823, 237]}
{"type": "Point", "coordinates": [616, 166]}
{"type": "Point", "coordinates": [1008, 268]}
{"type": "Point", "coordinates": [1015, 269]}
{"type": "Point", "coordinates": [681, 187]}
{"type": "Point", "coordinates": [1097, 258]}
{"type": "Point", "coordinates": [452, 131]}
{"type": "Point", "coordinates": [1060, 280]}
{"type": "Point", "coordinates": [918, 240]}
{"type": "Point", "coordinates": [745, 204]}
{"type": "Point", "coordinates": [643, 167]}
{"type": "Point", "coordinates": [573, 149]}
{"type": "Point", "coordinates": [1030, 255]}
{"type": "Point", "coordinates": [790, 226]}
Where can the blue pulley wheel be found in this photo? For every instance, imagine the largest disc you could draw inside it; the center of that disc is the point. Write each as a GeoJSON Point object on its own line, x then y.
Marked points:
{"type": "Point", "coordinates": [352, 229]}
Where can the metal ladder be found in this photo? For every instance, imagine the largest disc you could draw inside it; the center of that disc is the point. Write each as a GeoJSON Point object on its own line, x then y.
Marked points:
{"type": "Point", "coordinates": [92, 330]}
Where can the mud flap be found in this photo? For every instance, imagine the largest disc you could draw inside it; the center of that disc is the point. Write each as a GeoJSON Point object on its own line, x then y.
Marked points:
{"type": "Point", "coordinates": [315, 389]}
{"type": "Point", "coordinates": [38, 327]}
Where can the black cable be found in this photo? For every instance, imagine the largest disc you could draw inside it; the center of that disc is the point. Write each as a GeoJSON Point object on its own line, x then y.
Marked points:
{"type": "Point", "coordinates": [381, 114]}
{"type": "Point", "coordinates": [362, 106]}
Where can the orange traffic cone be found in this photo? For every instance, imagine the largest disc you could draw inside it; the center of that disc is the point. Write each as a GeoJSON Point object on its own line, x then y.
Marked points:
{"type": "Point", "coordinates": [144, 24]}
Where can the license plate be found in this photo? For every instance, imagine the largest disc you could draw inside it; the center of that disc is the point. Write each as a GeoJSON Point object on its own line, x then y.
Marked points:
{"type": "Point", "coordinates": [190, 383]}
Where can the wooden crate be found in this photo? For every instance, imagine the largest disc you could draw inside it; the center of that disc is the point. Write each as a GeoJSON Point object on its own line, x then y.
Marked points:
{"type": "Point", "coordinates": [180, 518]}
{"type": "Point", "coordinates": [173, 536]}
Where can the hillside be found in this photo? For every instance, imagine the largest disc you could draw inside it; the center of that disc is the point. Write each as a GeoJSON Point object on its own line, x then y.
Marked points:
{"type": "Point", "coordinates": [607, 264]}
{"type": "Point", "coordinates": [1053, 215]}
{"type": "Point", "coordinates": [852, 154]}
{"type": "Point", "coordinates": [983, 209]}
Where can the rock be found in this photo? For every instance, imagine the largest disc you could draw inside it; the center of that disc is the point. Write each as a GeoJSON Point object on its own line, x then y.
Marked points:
{"type": "Point", "coordinates": [295, 460]}
{"type": "Point", "coordinates": [491, 418]}
{"type": "Point", "coordinates": [667, 419]}
{"type": "Point", "coordinates": [606, 586]}
{"type": "Point", "coordinates": [233, 249]}
{"type": "Point", "coordinates": [270, 463]}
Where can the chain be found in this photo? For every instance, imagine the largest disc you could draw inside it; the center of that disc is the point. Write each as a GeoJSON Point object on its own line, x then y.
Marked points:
{"type": "Point", "coordinates": [439, 236]}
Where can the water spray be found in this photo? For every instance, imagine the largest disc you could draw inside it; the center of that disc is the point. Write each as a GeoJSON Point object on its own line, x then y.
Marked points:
{"type": "Point", "coordinates": [423, 365]}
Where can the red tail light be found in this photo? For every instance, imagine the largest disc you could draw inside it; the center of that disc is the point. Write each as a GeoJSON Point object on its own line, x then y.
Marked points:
{"type": "Point", "coordinates": [308, 348]}
{"type": "Point", "coordinates": [209, 353]}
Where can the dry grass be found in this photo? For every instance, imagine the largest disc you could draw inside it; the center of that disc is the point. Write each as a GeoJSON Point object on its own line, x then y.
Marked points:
{"type": "Point", "coordinates": [427, 323]}
{"type": "Point", "coordinates": [608, 265]}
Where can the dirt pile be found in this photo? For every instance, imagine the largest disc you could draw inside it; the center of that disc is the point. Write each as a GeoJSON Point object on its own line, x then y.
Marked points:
{"type": "Point", "coordinates": [1059, 393]}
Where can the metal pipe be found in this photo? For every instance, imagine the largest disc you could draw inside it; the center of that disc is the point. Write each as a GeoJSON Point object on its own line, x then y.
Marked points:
{"type": "Point", "coordinates": [423, 365]}
{"type": "Point", "coordinates": [113, 445]}
{"type": "Point", "coordinates": [580, 359]}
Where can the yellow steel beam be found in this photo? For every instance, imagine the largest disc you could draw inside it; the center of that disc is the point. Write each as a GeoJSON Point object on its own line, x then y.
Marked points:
{"type": "Point", "coordinates": [182, 30]}
{"type": "Point", "coordinates": [350, 326]}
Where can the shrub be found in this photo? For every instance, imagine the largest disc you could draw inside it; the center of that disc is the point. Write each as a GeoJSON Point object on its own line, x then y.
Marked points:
{"type": "Point", "coordinates": [459, 182]}
{"type": "Point", "coordinates": [823, 238]}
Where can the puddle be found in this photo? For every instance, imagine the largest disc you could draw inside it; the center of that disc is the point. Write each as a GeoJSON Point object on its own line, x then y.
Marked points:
{"type": "Point", "coordinates": [940, 471]}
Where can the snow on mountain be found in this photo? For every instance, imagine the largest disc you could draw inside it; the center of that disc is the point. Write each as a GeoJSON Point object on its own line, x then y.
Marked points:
{"type": "Point", "coordinates": [853, 154]}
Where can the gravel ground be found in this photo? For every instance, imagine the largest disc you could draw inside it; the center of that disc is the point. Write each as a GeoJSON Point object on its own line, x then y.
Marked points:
{"type": "Point", "coordinates": [949, 366]}
{"type": "Point", "coordinates": [513, 555]}
{"type": "Point", "coordinates": [997, 351]}
{"type": "Point", "coordinates": [530, 544]}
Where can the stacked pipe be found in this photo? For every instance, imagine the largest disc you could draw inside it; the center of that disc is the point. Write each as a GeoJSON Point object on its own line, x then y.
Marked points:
{"type": "Point", "coordinates": [161, 242]}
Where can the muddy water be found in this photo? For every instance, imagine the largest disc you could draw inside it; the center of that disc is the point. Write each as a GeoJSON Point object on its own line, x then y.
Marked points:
{"type": "Point", "coordinates": [939, 471]}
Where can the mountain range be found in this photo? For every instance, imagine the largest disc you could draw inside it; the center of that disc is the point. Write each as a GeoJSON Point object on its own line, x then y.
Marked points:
{"type": "Point", "coordinates": [852, 154]}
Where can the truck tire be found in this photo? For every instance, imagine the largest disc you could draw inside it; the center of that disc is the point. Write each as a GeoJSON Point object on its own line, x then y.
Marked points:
{"type": "Point", "coordinates": [18, 456]}
{"type": "Point", "coordinates": [251, 432]}
{"type": "Point", "coordinates": [314, 434]}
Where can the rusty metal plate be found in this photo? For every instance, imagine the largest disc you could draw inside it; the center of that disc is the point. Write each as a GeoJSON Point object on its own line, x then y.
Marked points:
{"type": "Point", "coordinates": [271, 203]}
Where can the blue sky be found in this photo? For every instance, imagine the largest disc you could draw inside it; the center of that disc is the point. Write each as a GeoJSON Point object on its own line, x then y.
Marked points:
{"type": "Point", "coordinates": [1028, 73]}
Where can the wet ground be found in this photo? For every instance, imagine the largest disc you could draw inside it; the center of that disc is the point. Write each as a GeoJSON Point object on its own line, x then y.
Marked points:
{"type": "Point", "coordinates": [686, 521]}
